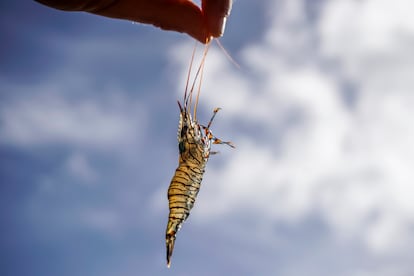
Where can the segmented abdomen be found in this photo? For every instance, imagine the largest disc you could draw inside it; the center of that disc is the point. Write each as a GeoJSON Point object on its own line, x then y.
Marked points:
{"type": "Point", "coordinates": [182, 193]}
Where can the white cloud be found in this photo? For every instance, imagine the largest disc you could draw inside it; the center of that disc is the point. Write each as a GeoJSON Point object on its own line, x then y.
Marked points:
{"type": "Point", "coordinates": [49, 117]}
{"type": "Point", "coordinates": [368, 37]}
{"type": "Point", "coordinates": [78, 165]}
{"type": "Point", "coordinates": [349, 165]}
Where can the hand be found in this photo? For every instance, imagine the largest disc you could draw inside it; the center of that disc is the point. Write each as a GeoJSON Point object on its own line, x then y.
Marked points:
{"type": "Point", "coordinates": [177, 15]}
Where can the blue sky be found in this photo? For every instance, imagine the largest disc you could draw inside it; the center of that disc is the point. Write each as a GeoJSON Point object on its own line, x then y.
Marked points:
{"type": "Point", "coordinates": [320, 109]}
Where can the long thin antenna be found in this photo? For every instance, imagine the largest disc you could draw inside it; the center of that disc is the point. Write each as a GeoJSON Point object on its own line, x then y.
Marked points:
{"type": "Point", "coordinates": [190, 96]}
{"type": "Point", "coordinates": [227, 53]}
{"type": "Point", "coordinates": [201, 79]}
{"type": "Point", "coordinates": [188, 76]}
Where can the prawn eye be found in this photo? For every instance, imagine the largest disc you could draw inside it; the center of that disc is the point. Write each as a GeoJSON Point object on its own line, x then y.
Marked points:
{"type": "Point", "coordinates": [181, 147]}
{"type": "Point", "coordinates": [184, 131]}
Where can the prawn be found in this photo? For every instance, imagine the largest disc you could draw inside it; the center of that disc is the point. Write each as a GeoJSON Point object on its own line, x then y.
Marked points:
{"type": "Point", "coordinates": [194, 144]}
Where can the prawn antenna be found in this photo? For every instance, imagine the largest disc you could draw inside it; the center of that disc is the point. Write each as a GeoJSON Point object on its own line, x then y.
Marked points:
{"type": "Point", "coordinates": [188, 76]}
{"type": "Point", "coordinates": [226, 53]}
{"type": "Point", "coordinates": [201, 68]}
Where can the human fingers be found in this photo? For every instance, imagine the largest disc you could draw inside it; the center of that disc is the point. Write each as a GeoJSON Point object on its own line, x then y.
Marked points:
{"type": "Point", "coordinates": [215, 14]}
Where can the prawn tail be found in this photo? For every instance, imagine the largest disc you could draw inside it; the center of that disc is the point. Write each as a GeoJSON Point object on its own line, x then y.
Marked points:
{"type": "Point", "coordinates": [170, 240]}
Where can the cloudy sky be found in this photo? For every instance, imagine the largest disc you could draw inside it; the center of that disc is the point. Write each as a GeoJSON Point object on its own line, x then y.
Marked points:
{"type": "Point", "coordinates": [321, 111]}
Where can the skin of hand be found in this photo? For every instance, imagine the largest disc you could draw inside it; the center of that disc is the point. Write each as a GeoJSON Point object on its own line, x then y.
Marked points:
{"type": "Point", "coordinates": [184, 16]}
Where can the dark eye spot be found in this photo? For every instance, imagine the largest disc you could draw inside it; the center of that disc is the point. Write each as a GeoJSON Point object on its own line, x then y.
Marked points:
{"type": "Point", "coordinates": [181, 147]}
{"type": "Point", "coordinates": [184, 131]}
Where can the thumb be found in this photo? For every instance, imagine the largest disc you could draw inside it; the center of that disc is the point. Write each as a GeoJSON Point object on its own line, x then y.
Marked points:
{"type": "Point", "coordinates": [215, 13]}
